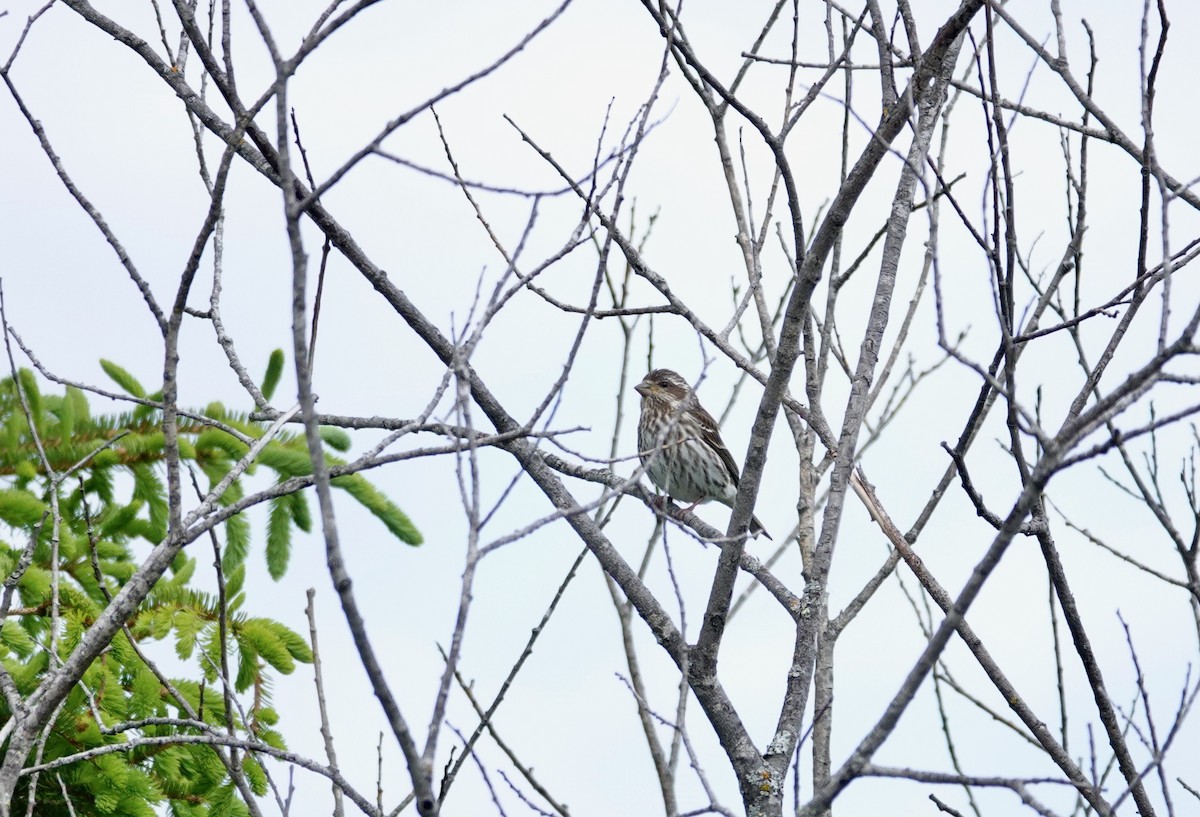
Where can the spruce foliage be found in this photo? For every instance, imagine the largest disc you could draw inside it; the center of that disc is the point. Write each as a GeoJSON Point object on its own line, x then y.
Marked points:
{"type": "Point", "coordinates": [109, 509]}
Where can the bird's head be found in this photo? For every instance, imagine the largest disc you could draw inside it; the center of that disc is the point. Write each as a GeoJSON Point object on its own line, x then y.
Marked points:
{"type": "Point", "coordinates": [663, 384]}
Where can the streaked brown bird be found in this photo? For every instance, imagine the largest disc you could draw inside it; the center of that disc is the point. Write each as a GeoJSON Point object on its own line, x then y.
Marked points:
{"type": "Point", "coordinates": [680, 446]}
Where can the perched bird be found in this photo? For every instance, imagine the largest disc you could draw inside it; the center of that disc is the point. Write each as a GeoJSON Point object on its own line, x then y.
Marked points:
{"type": "Point", "coordinates": [680, 445]}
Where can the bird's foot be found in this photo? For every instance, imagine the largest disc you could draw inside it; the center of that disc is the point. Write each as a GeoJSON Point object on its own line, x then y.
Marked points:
{"type": "Point", "coordinates": [663, 504]}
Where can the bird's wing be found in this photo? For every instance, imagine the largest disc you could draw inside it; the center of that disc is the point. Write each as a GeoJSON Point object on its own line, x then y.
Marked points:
{"type": "Point", "coordinates": [711, 435]}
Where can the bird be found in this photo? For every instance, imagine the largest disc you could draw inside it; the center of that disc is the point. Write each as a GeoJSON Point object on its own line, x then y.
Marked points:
{"type": "Point", "coordinates": [680, 445]}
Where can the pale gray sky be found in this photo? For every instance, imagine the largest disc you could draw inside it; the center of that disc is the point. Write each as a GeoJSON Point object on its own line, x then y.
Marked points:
{"type": "Point", "coordinates": [123, 137]}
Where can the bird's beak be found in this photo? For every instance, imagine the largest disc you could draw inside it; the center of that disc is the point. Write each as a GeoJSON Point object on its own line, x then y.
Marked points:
{"type": "Point", "coordinates": [642, 388]}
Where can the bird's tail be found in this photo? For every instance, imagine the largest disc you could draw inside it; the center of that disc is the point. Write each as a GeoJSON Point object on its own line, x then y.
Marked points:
{"type": "Point", "coordinates": [756, 527]}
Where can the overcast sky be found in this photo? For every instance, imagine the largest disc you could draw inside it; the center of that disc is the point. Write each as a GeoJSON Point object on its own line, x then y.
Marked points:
{"type": "Point", "coordinates": [126, 142]}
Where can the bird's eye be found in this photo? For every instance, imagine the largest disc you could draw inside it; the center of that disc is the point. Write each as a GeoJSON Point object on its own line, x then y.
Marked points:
{"type": "Point", "coordinates": [663, 383]}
